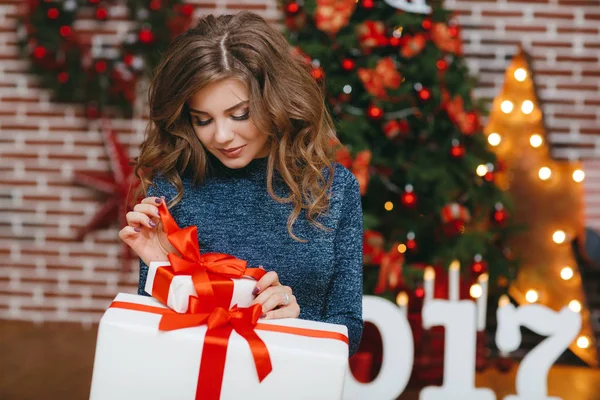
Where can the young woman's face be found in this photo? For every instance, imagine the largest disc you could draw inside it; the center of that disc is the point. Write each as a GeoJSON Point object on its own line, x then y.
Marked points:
{"type": "Point", "coordinates": [221, 120]}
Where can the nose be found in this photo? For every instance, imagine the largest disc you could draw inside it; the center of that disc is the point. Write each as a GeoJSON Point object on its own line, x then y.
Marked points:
{"type": "Point", "coordinates": [224, 134]}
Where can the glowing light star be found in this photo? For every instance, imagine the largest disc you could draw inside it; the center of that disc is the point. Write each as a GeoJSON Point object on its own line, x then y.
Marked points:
{"type": "Point", "coordinates": [531, 296]}
{"type": "Point", "coordinates": [481, 170]}
{"type": "Point", "coordinates": [578, 175]}
{"type": "Point", "coordinates": [402, 299]}
{"type": "Point", "coordinates": [545, 173]}
{"type": "Point", "coordinates": [402, 248]}
{"type": "Point", "coordinates": [583, 342]}
{"type": "Point", "coordinates": [566, 273]}
{"type": "Point", "coordinates": [494, 139]}
{"type": "Point", "coordinates": [559, 237]}
{"type": "Point", "coordinates": [527, 107]}
{"type": "Point", "coordinates": [507, 106]}
{"type": "Point", "coordinates": [389, 206]}
{"type": "Point", "coordinates": [476, 291]}
{"type": "Point", "coordinates": [520, 74]}
{"type": "Point", "coordinates": [575, 306]}
{"type": "Point", "coordinates": [536, 140]}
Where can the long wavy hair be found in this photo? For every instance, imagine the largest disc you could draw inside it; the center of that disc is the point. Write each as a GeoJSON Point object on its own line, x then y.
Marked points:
{"type": "Point", "coordinates": [285, 102]}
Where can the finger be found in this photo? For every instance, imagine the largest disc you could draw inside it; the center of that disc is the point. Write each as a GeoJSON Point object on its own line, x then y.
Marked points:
{"type": "Point", "coordinates": [276, 300]}
{"type": "Point", "coordinates": [128, 233]}
{"type": "Point", "coordinates": [138, 219]}
{"type": "Point", "coordinates": [155, 201]}
{"type": "Point", "coordinates": [269, 279]}
{"type": "Point", "coordinates": [291, 311]}
{"type": "Point", "coordinates": [266, 294]}
{"type": "Point", "coordinates": [148, 209]}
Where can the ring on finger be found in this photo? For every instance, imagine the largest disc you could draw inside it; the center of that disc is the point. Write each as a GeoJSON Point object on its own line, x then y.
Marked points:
{"type": "Point", "coordinates": [286, 300]}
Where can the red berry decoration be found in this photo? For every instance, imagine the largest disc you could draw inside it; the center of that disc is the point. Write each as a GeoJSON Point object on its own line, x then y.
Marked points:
{"type": "Point", "coordinates": [442, 65]}
{"type": "Point", "coordinates": [419, 292]}
{"type": "Point", "coordinates": [368, 4]}
{"type": "Point", "coordinates": [411, 243]}
{"type": "Point", "coordinates": [155, 5]}
{"type": "Point", "coordinates": [39, 52]}
{"type": "Point", "coordinates": [374, 112]}
{"type": "Point", "coordinates": [500, 215]}
{"type": "Point", "coordinates": [101, 13]}
{"type": "Point", "coordinates": [426, 24]}
{"type": "Point", "coordinates": [457, 150]}
{"type": "Point", "coordinates": [348, 64]}
{"type": "Point", "coordinates": [479, 266]}
{"type": "Point", "coordinates": [63, 77]}
{"type": "Point", "coordinates": [292, 8]}
{"type": "Point", "coordinates": [100, 66]}
{"type": "Point", "coordinates": [317, 73]}
{"type": "Point", "coordinates": [424, 94]}
{"type": "Point", "coordinates": [53, 13]}
{"type": "Point", "coordinates": [65, 30]}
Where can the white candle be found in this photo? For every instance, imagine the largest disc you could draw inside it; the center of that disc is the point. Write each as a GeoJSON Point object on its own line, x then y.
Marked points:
{"type": "Point", "coordinates": [453, 274]}
{"type": "Point", "coordinates": [482, 301]}
{"type": "Point", "coordinates": [402, 301]}
{"type": "Point", "coordinates": [429, 278]}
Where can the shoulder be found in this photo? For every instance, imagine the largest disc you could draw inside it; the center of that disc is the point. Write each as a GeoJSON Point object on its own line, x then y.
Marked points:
{"type": "Point", "coordinates": [344, 182]}
{"type": "Point", "coordinates": [161, 186]}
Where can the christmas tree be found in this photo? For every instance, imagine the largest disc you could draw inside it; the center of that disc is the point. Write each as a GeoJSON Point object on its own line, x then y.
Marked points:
{"type": "Point", "coordinates": [397, 85]}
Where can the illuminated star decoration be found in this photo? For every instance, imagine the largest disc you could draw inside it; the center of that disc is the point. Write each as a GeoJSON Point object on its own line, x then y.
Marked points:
{"type": "Point", "coordinates": [119, 185]}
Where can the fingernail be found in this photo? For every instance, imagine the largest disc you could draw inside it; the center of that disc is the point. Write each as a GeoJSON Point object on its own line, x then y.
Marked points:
{"type": "Point", "coordinates": [158, 213]}
{"type": "Point", "coordinates": [255, 291]}
{"type": "Point", "coordinates": [137, 229]}
{"type": "Point", "coordinates": [157, 201]}
{"type": "Point", "coordinates": [152, 224]}
{"type": "Point", "coordinates": [263, 316]}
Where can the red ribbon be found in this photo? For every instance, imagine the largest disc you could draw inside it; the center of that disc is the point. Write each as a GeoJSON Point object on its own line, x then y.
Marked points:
{"type": "Point", "coordinates": [211, 272]}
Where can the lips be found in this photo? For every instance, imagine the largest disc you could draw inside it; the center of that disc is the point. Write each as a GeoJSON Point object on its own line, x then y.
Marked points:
{"type": "Point", "coordinates": [231, 150]}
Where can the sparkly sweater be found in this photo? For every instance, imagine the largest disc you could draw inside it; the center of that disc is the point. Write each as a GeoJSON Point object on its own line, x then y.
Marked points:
{"type": "Point", "coordinates": [235, 215]}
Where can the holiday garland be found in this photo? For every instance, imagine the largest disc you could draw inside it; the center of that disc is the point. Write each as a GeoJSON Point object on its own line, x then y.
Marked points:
{"type": "Point", "coordinates": [79, 68]}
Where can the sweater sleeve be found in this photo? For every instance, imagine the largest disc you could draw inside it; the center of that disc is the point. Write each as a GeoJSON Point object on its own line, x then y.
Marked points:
{"type": "Point", "coordinates": [344, 302]}
{"type": "Point", "coordinates": [160, 187]}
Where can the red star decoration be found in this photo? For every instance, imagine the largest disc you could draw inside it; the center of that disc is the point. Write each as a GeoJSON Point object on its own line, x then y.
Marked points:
{"type": "Point", "coordinates": [119, 185]}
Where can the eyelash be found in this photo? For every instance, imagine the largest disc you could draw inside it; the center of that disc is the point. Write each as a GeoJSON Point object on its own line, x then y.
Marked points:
{"type": "Point", "coordinates": [244, 117]}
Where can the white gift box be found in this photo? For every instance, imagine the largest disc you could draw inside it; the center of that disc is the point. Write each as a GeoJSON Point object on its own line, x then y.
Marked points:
{"type": "Point", "coordinates": [182, 287]}
{"type": "Point", "coordinates": [134, 360]}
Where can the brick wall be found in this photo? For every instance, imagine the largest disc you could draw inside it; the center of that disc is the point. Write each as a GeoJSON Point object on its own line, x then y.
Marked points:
{"type": "Point", "coordinates": [46, 275]}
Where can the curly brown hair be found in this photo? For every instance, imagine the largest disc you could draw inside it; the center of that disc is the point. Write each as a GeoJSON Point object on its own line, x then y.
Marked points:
{"type": "Point", "coordinates": [286, 103]}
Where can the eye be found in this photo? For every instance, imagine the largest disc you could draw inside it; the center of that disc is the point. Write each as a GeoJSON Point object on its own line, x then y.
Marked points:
{"type": "Point", "coordinates": [243, 117]}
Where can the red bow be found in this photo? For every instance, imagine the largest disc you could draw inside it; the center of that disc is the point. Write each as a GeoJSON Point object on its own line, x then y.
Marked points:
{"type": "Point", "coordinates": [211, 272]}
{"type": "Point", "coordinates": [220, 324]}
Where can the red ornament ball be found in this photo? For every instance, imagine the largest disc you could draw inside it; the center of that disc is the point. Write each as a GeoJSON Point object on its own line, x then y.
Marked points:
{"type": "Point", "coordinates": [419, 292]}
{"type": "Point", "coordinates": [442, 65]}
{"type": "Point", "coordinates": [128, 59]}
{"type": "Point", "coordinates": [409, 199]}
{"type": "Point", "coordinates": [292, 8]}
{"type": "Point", "coordinates": [39, 52]}
{"type": "Point", "coordinates": [101, 13]}
{"type": "Point", "coordinates": [489, 176]}
{"type": "Point", "coordinates": [424, 94]}
{"type": "Point", "coordinates": [478, 267]}
{"type": "Point", "coordinates": [65, 30]}
{"type": "Point", "coordinates": [426, 24]}
{"type": "Point", "coordinates": [100, 66]}
{"type": "Point", "coordinates": [317, 73]}
{"type": "Point", "coordinates": [155, 5]}
{"type": "Point", "coordinates": [146, 35]}
{"type": "Point", "coordinates": [500, 216]}
{"type": "Point", "coordinates": [453, 31]}
{"type": "Point", "coordinates": [368, 4]}
{"type": "Point", "coordinates": [395, 42]}
{"type": "Point", "coordinates": [186, 9]}
{"type": "Point", "coordinates": [348, 64]}
{"type": "Point", "coordinates": [53, 13]}
{"type": "Point", "coordinates": [411, 244]}
{"type": "Point", "coordinates": [457, 151]}
{"type": "Point", "coordinates": [374, 112]}
{"type": "Point", "coordinates": [63, 77]}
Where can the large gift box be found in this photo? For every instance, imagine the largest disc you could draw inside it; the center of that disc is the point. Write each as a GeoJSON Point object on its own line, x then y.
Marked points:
{"type": "Point", "coordinates": [290, 358]}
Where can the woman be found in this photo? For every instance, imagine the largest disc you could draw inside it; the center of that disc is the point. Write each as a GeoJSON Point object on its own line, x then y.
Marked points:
{"type": "Point", "coordinates": [239, 144]}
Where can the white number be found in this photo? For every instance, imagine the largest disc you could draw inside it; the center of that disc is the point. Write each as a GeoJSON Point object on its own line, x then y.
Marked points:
{"type": "Point", "coordinates": [397, 363]}
{"type": "Point", "coordinates": [561, 327]}
{"type": "Point", "coordinates": [458, 317]}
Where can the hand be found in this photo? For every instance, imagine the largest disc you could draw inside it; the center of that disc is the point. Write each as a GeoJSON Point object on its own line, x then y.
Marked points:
{"type": "Point", "coordinates": [144, 232]}
{"type": "Point", "coordinates": [277, 300]}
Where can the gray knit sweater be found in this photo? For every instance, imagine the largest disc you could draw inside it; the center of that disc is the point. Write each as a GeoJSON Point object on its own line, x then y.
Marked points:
{"type": "Point", "coordinates": [235, 214]}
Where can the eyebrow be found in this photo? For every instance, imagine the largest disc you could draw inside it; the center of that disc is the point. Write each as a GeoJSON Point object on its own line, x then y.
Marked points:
{"type": "Point", "coordinates": [228, 110]}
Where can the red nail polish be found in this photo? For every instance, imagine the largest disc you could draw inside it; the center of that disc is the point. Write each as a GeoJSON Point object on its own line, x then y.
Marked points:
{"type": "Point", "coordinates": [255, 291]}
{"type": "Point", "coordinates": [263, 316]}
